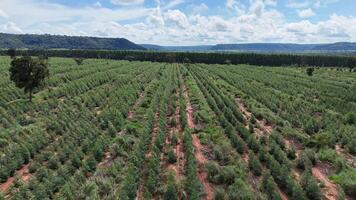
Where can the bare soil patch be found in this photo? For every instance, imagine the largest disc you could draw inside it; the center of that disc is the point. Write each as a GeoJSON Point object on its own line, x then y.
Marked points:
{"type": "Point", "coordinates": [264, 126]}
{"type": "Point", "coordinates": [350, 159]}
{"type": "Point", "coordinates": [22, 173]}
{"type": "Point", "coordinates": [320, 172]}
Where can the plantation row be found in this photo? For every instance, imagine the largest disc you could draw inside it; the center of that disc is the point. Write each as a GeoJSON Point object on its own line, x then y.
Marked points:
{"type": "Point", "coordinates": [140, 130]}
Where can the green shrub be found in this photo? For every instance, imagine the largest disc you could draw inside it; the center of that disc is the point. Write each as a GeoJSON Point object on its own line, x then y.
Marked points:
{"type": "Point", "coordinates": [172, 158]}
{"type": "Point", "coordinates": [255, 165]}
{"type": "Point", "coordinates": [350, 118]}
{"type": "Point", "coordinates": [310, 71]}
{"type": "Point", "coordinates": [347, 180]}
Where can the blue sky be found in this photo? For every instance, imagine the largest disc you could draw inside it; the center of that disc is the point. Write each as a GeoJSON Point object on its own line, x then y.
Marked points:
{"type": "Point", "coordinates": [186, 22]}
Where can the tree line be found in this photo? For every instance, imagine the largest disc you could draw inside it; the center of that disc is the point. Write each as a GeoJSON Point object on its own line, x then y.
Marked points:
{"type": "Point", "coordinates": [199, 57]}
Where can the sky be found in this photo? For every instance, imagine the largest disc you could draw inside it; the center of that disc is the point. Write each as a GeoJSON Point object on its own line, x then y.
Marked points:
{"type": "Point", "coordinates": [186, 22]}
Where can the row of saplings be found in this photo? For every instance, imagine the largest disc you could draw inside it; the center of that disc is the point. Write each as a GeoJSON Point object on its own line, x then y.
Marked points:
{"type": "Point", "coordinates": [274, 157]}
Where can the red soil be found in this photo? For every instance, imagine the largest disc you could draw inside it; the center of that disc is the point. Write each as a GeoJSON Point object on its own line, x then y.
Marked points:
{"type": "Point", "coordinates": [202, 175]}
{"type": "Point", "coordinates": [350, 159]}
{"type": "Point", "coordinates": [22, 173]}
{"type": "Point", "coordinates": [330, 189]}
{"type": "Point", "coordinates": [189, 110]}
{"type": "Point", "coordinates": [282, 194]}
{"type": "Point", "coordinates": [263, 124]}
{"type": "Point", "coordinates": [199, 149]}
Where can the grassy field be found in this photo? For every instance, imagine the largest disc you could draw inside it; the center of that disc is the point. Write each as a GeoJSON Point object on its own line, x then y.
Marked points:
{"type": "Point", "coordinates": [140, 130]}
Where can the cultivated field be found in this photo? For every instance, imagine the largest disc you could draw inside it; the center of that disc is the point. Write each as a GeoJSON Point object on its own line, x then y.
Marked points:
{"type": "Point", "coordinates": [141, 130]}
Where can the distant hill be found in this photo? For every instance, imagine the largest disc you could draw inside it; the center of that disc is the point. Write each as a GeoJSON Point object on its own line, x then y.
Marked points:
{"type": "Point", "coordinates": [345, 46]}
{"type": "Point", "coordinates": [31, 41]}
{"type": "Point", "coordinates": [177, 48]}
{"type": "Point", "coordinates": [261, 47]}
{"type": "Point", "coordinates": [283, 47]}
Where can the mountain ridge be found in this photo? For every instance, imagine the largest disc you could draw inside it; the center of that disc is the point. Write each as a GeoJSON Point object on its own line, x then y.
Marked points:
{"type": "Point", "coordinates": [46, 41]}
{"type": "Point", "coordinates": [260, 47]}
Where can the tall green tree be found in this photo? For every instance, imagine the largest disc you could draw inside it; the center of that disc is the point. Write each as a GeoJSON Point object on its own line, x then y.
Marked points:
{"type": "Point", "coordinates": [11, 53]}
{"type": "Point", "coordinates": [29, 73]}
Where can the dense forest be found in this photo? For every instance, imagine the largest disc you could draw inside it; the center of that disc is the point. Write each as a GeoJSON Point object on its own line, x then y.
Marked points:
{"type": "Point", "coordinates": [207, 58]}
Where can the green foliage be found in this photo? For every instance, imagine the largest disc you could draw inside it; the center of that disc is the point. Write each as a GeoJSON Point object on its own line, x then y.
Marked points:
{"type": "Point", "coordinates": [310, 71]}
{"type": "Point", "coordinates": [350, 118]}
{"type": "Point", "coordinates": [347, 180]}
{"type": "Point", "coordinates": [270, 187]}
{"type": "Point", "coordinates": [79, 144]}
{"type": "Point", "coordinates": [172, 158]}
{"type": "Point", "coordinates": [171, 191]}
{"type": "Point", "coordinates": [255, 165]}
{"type": "Point", "coordinates": [310, 186]}
{"type": "Point", "coordinates": [79, 61]}
{"type": "Point", "coordinates": [28, 73]}
{"type": "Point", "coordinates": [12, 53]}
{"type": "Point", "coordinates": [240, 191]}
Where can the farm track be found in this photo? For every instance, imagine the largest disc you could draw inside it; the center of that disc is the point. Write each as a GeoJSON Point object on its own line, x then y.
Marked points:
{"type": "Point", "coordinates": [140, 190]}
{"type": "Point", "coordinates": [199, 149]}
{"type": "Point", "coordinates": [177, 167]}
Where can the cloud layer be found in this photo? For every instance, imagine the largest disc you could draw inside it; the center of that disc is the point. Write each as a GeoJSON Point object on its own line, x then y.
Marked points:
{"type": "Point", "coordinates": [164, 23]}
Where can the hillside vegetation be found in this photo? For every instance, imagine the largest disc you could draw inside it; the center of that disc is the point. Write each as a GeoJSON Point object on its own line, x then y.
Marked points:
{"type": "Point", "coordinates": [30, 41]}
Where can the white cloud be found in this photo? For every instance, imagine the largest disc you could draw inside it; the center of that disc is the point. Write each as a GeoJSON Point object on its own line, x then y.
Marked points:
{"type": "Point", "coordinates": [230, 3]}
{"type": "Point", "coordinates": [176, 18]}
{"type": "Point", "coordinates": [10, 27]}
{"type": "Point", "coordinates": [306, 13]}
{"type": "Point", "coordinates": [3, 14]}
{"type": "Point", "coordinates": [127, 2]}
{"type": "Point", "coordinates": [258, 21]}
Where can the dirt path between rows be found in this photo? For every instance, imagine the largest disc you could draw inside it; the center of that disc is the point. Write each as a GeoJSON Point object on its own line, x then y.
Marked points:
{"type": "Point", "coordinates": [107, 160]}
{"type": "Point", "coordinates": [131, 113]}
{"type": "Point", "coordinates": [199, 149]}
{"type": "Point", "coordinates": [22, 173]}
{"type": "Point", "coordinates": [139, 193]}
{"type": "Point", "coordinates": [189, 109]}
{"type": "Point", "coordinates": [264, 126]}
{"type": "Point", "coordinates": [330, 190]}
{"type": "Point", "coordinates": [282, 194]}
{"type": "Point", "coordinates": [177, 167]}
